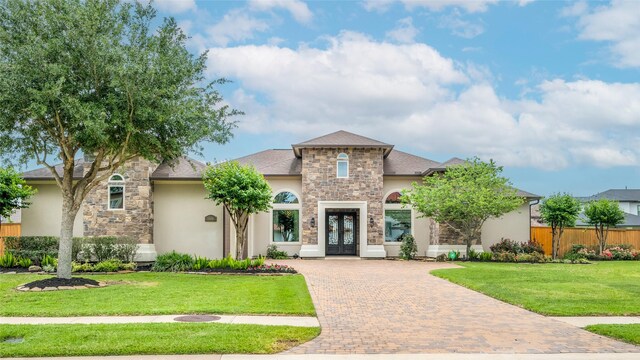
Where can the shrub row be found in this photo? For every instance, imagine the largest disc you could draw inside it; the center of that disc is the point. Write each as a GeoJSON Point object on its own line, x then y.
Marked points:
{"type": "Point", "coordinates": [612, 252]}
{"type": "Point", "coordinates": [83, 248]}
{"type": "Point", "coordinates": [112, 265]}
{"type": "Point", "coordinates": [176, 262]}
{"type": "Point", "coordinates": [514, 247]}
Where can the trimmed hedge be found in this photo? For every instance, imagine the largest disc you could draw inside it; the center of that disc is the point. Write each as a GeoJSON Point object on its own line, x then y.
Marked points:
{"type": "Point", "coordinates": [98, 249]}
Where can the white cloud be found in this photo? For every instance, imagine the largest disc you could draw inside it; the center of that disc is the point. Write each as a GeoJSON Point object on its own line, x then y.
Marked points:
{"type": "Point", "coordinates": [404, 32]}
{"type": "Point", "coordinates": [617, 24]}
{"type": "Point", "coordinates": [460, 27]}
{"type": "Point", "coordinates": [235, 26]}
{"type": "Point", "coordinates": [409, 94]}
{"type": "Point", "coordinates": [175, 6]}
{"type": "Point", "coordinates": [439, 5]}
{"type": "Point", "coordinates": [298, 9]}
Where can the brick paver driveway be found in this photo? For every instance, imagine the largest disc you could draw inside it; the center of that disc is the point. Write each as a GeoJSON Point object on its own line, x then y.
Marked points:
{"type": "Point", "coordinates": [382, 306]}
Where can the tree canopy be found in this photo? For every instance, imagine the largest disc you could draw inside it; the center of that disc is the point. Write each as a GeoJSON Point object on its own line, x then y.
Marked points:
{"type": "Point", "coordinates": [98, 77]}
{"type": "Point", "coordinates": [14, 192]}
{"type": "Point", "coordinates": [464, 197]}
{"type": "Point", "coordinates": [559, 211]}
{"type": "Point", "coordinates": [242, 190]}
{"type": "Point", "coordinates": [603, 214]}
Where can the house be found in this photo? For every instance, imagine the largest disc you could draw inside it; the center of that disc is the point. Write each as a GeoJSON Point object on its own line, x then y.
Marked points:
{"type": "Point", "coordinates": [336, 194]}
{"type": "Point", "coordinates": [628, 200]}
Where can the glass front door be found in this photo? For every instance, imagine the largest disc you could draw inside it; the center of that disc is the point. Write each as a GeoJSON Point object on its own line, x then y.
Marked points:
{"type": "Point", "coordinates": [342, 232]}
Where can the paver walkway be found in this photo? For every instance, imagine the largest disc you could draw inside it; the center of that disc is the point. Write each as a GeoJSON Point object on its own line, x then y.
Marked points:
{"type": "Point", "coordinates": [583, 321]}
{"type": "Point", "coordinates": [382, 306]}
{"type": "Point", "coordinates": [304, 321]}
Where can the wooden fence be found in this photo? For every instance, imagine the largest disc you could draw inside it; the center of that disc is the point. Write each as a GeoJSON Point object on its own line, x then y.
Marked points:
{"type": "Point", "coordinates": [8, 230]}
{"type": "Point", "coordinates": [584, 236]}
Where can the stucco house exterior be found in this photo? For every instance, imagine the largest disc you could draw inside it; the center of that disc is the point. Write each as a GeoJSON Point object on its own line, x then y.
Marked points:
{"type": "Point", "coordinates": [333, 195]}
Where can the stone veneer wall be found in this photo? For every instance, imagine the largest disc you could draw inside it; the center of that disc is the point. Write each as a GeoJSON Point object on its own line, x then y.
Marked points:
{"type": "Point", "coordinates": [448, 236]}
{"type": "Point", "coordinates": [365, 183]}
{"type": "Point", "coordinates": [136, 220]}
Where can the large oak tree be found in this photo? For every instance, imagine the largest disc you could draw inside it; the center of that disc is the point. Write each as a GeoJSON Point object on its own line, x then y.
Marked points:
{"type": "Point", "coordinates": [99, 77]}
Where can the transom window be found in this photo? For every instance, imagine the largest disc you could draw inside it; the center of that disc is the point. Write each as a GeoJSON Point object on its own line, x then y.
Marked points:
{"type": "Point", "coordinates": [116, 192]}
{"type": "Point", "coordinates": [343, 165]}
{"type": "Point", "coordinates": [286, 218]}
{"type": "Point", "coordinates": [397, 219]}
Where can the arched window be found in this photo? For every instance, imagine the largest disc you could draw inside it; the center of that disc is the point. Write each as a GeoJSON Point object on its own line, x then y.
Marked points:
{"type": "Point", "coordinates": [116, 192]}
{"type": "Point", "coordinates": [343, 165]}
{"type": "Point", "coordinates": [397, 219]}
{"type": "Point", "coordinates": [286, 218]}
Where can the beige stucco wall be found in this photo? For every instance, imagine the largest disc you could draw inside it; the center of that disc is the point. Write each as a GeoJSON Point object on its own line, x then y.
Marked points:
{"type": "Point", "coordinates": [514, 225]}
{"type": "Point", "coordinates": [261, 234]}
{"type": "Point", "coordinates": [421, 226]}
{"type": "Point", "coordinates": [179, 211]}
{"type": "Point", "coordinates": [44, 215]}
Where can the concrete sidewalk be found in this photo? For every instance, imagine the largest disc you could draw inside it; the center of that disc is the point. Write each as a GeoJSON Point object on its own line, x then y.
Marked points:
{"type": "Point", "coordinates": [582, 321]}
{"type": "Point", "coordinates": [302, 321]}
{"type": "Point", "coordinates": [569, 356]}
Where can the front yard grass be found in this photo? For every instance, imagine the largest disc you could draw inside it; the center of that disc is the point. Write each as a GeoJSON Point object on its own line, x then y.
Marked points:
{"type": "Point", "coordinates": [629, 332]}
{"type": "Point", "coordinates": [602, 288]}
{"type": "Point", "coordinates": [155, 338]}
{"type": "Point", "coordinates": [161, 293]}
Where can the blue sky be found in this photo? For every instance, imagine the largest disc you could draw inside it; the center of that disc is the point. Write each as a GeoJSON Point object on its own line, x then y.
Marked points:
{"type": "Point", "coordinates": [550, 90]}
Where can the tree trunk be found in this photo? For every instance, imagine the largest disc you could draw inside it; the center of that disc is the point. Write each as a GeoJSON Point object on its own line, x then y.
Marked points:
{"type": "Point", "coordinates": [241, 235]}
{"type": "Point", "coordinates": [69, 212]}
{"type": "Point", "coordinates": [555, 240]}
{"type": "Point", "coordinates": [469, 240]}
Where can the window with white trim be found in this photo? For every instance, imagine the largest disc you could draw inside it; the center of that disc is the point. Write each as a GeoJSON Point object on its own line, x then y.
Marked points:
{"type": "Point", "coordinates": [397, 220]}
{"type": "Point", "coordinates": [342, 165]}
{"type": "Point", "coordinates": [115, 189]}
{"type": "Point", "coordinates": [286, 218]}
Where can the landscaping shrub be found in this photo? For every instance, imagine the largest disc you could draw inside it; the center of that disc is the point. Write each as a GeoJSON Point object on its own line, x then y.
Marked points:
{"type": "Point", "coordinates": [104, 248]}
{"type": "Point", "coordinates": [48, 260]}
{"type": "Point", "coordinates": [231, 263]}
{"type": "Point", "coordinates": [24, 262]}
{"type": "Point", "coordinates": [504, 256]}
{"type": "Point", "coordinates": [486, 256]}
{"type": "Point", "coordinates": [107, 266]}
{"type": "Point", "coordinates": [474, 255]}
{"type": "Point", "coordinates": [8, 260]}
{"type": "Point", "coordinates": [441, 258]}
{"type": "Point", "coordinates": [409, 248]}
{"type": "Point", "coordinates": [506, 246]}
{"type": "Point", "coordinates": [531, 247]}
{"type": "Point", "coordinates": [32, 247]}
{"type": "Point", "coordinates": [200, 263]}
{"type": "Point", "coordinates": [85, 267]}
{"type": "Point", "coordinates": [173, 261]}
{"type": "Point", "coordinates": [274, 253]}
{"type": "Point", "coordinates": [272, 268]}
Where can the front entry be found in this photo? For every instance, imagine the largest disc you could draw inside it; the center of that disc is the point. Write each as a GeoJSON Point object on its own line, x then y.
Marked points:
{"type": "Point", "coordinates": [342, 232]}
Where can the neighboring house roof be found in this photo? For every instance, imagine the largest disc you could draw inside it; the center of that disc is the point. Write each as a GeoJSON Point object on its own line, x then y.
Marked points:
{"type": "Point", "coordinates": [45, 174]}
{"type": "Point", "coordinates": [183, 168]}
{"type": "Point", "coordinates": [630, 220]}
{"type": "Point", "coordinates": [614, 194]}
{"type": "Point", "coordinates": [341, 139]}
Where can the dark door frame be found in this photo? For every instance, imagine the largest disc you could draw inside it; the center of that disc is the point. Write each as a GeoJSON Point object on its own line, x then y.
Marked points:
{"type": "Point", "coordinates": [341, 248]}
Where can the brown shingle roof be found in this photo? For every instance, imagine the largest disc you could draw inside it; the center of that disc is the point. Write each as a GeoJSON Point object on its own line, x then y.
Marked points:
{"type": "Point", "coordinates": [183, 168]}
{"type": "Point", "coordinates": [402, 163]}
{"type": "Point", "coordinates": [274, 162]}
{"type": "Point", "coordinates": [341, 139]}
{"type": "Point", "coordinates": [45, 174]}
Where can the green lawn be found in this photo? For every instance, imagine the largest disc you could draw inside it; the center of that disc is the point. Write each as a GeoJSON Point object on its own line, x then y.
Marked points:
{"type": "Point", "coordinates": [138, 339]}
{"type": "Point", "coordinates": [162, 293]}
{"type": "Point", "coordinates": [603, 288]}
{"type": "Point", "coordinates": [629, 333]}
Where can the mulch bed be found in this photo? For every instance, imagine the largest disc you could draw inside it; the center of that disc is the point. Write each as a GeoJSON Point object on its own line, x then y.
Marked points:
{"type": "Point", "coordinates": [13, 270]}
{"type": "Point", "coordinates": [55, 283]}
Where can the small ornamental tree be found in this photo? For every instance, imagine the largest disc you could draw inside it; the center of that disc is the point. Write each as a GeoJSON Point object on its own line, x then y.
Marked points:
{"type": "Point", "coordinates": [559, 211]}
{"type": "Point", "coordinates": [464, 197]}
{"type": "Point", "coordinates": [96, 77]}
{"type": "Point", "coordinates": [14, 192]}
{"type": "Point", "coordinates": [242, 190]}
{"type": "Point", "coordinates": [603, 214]}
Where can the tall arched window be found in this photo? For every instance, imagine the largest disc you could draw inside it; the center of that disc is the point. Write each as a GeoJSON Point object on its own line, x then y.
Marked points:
{"type": "Point", "coordinates": [116, 192]}
{"type": "Point", "coordinates": [286, 218]}
{"type": "Point", "coordinates": [397, 220]}
{"type": "Point", "coordinates": [343, 165]}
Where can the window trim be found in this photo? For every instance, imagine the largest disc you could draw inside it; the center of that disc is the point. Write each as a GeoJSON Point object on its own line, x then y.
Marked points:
{"type": "Point", "coordinates": [275, 206]}
{"type": "Point", "coordinates": [342, 159]}
{"type": "Point", "coordinates": [395, 207]}
{"type": "Point", "coordinates": [116, 183]}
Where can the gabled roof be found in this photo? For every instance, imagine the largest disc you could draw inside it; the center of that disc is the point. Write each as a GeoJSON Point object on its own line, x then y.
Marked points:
{"type": "Point", "coordinates": [341, 139]}
{"type": "Point", "coordinates": [614, 194]}
{"type": "Point", "coordinates": [183, 168]}
{"type": "Point", "coordinates": [44, 173]}
{"type": "Point", "coordinates": [629, 220]}
{"type": "Point", "coordinates": [402, 163]}
{"type": "Point", "coordinates": [443, 166]}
